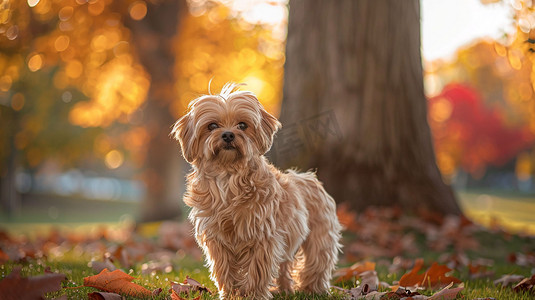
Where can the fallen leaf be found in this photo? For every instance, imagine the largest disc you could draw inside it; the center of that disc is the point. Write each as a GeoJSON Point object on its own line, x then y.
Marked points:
{"type": "Point", "coordinates": [189, 286]}
{"type": "Point", "coordinates": [354, 271]}
{"type": "Point", "coordinates": [19, 288]}
{"type": "Point", "coordinates": [119, 253]}
{"type": "Point", "coordinates": [181, 288]}
{"type": "Point", "coordinates": [413, 278]}
{"type": "Point", "coordinates": [434, 277]}
{"type": "Point", "coordinates": [3, 257]}
{"type": "Point", "coordinates": [527, 284]}
{"type": "Point", "coordinates": [99, 266]}
{"type": "Point", "coordinates": [401, 293]}
{"type": "Point", "coordinates": [506, 280]}
{"type": "Point", "coordinates": [103, 296]}
{"type": "Point", "coordinates": [116, 282]}
{"type": "Point", "coordinates": [373, 296]}
{"type": "Point", "coordinates": [370, 279]}
{"type": "Point", "coordinates": [196, 284]}
{"type": "Point", "coordinates": [175, 296]}
{"type": "Point", "coordinates": [447, 293]}
{"type": "Point", "coordinates": [479, 271]}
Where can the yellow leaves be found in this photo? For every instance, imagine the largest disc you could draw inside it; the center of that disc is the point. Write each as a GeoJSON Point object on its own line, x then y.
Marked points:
{"type": "Point", "coordinates": [117, 90]}
{"type": "Point", "coordinates": [212, 45]}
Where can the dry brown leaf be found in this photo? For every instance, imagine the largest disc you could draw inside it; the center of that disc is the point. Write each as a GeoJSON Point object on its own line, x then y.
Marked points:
{"type": "Point", "coordinates": [104, 296]}
{"type": "Point", "coordinates": [98, 266]}
{"type": "Point", "coordinates": [179, 288]}
{"type": "Point", "coordinates": [116, 282]}
{"type": "Point", "coordinates": [506, 280]}
{"type": "Point", "coordinates": [3, 257]}
{"type": "Point", "coordinates": [354, 271]}
{"type": "Point", "coordinates": [16, 287]}
{"type": "Point", "coordinates": [527, 284]}
{"type": "Point", "coordinates": [434, 277]}
{"type": "Point", "coordinates": [447, 293]}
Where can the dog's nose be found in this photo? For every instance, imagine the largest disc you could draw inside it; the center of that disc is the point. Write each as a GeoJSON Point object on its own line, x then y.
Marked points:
{"type": "Point", "coordinates": [228, 136]}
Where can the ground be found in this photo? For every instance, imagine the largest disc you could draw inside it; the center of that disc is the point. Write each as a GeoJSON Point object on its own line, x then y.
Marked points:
{"type": "Point", "coordinates": [383, 249]}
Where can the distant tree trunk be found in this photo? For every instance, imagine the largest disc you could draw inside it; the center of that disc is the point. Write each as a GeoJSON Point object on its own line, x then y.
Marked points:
{"type": "Point", "coordinates": [10, 200]}
{"type": "Point", "coordinates": [354, 106]}
{"type": "Point", "coordinates": [153, 37]}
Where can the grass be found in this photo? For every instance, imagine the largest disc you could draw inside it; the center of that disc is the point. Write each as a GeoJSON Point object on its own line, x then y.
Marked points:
{"type": "Point", "coordinates": [516, 213]}
{"type": "Point", "coordinates": [74, 264]}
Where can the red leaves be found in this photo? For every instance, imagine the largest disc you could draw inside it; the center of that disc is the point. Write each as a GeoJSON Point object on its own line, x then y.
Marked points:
{"type": "Point", "coordinates": [471, 133]}
{"type": "Point", "coordinates": [116, 282]}
{"type": "Point", "coordinates": [16, 287]}
{"type": "Point", "coordinates": [434, 277]}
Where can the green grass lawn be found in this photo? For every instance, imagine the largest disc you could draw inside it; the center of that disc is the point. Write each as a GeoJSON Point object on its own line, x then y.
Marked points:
{"type": "Point", "coordinates": [75, 267]}
{"type": "Point", "coordinates": [73, 261]}
{"type": "Point", "coordinates": [75, 244]}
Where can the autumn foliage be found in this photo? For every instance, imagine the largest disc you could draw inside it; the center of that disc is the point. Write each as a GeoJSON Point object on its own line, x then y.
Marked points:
{"type": "Point", "coordinates": [117, 282]}
{"type": "Point", "coordinates": [470, 134]}
{"type": "Point", "coordinates": [433, 277]}
{"type": "Point", "coordinates": [382, 257]}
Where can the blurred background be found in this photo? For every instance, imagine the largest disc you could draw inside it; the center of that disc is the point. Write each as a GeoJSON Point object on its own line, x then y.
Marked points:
{"type": "Point", "coordinates": [89, 90]}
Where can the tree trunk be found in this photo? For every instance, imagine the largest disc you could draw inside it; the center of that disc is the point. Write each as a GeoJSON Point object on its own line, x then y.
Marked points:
{"type": "Point", "coordinates": [354, 107]}
{"type": "Point", "coordinates": [153, 37]}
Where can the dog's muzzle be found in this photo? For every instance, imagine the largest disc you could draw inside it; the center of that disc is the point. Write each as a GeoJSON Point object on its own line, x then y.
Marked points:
{"type": "Point", "coordinates": [228, 137]}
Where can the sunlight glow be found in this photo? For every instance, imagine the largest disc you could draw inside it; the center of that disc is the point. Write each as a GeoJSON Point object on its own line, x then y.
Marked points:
{"type": "Point", "coordinates": [32, 3]}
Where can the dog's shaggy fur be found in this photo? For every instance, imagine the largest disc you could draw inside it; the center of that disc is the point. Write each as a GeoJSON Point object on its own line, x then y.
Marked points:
{"type": "Point", "coordinates": [254, 223]}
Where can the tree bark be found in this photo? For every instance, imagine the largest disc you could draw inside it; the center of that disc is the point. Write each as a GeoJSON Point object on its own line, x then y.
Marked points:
{"type": "Point", "coordinates": [354, 107]}
{"type": "Point", "coordinates": [153, 37]}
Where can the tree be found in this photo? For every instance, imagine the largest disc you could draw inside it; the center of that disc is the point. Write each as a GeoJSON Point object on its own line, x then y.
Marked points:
{"type": "Point", "coordinates": [354, 104]}
{"type": "Point", "coordinates": [90, 66]}
{"type": "Point", "coordinates": [153, 38]}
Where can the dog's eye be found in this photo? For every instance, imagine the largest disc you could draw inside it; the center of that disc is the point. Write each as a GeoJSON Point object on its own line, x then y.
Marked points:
{"type": "Point", "coordinates": [212, 126]}
{"type": "Point", "coordinates": [242, 126]}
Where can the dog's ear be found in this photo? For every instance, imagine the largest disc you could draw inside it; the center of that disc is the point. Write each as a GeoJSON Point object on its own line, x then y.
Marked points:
{"type": "Point", "coordinates": [268, 126]}
{"type": "Point", "coordinates": [184, 131]}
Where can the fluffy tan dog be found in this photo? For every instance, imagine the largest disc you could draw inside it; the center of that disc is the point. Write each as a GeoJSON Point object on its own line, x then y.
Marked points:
{"type": "Point", "coordinates": [253, 222]}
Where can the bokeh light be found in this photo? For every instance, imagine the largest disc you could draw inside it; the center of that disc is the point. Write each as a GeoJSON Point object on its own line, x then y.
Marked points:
{"type": "Point", "coordinates": [138, 10]}
{"type": "Point", "coordinates": [35, 62]}
{"type": "Point", "coordinates": [114, 159]}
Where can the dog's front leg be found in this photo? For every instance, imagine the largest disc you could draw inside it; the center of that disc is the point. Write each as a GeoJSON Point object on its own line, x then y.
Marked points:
{"type": "Point", "coordinates": [262, 265]}
{"type": "Point", "coordinates": [223, 269]}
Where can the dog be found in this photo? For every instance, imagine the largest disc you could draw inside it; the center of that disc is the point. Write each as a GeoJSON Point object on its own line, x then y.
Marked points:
{"type": "Point", "coordinates": [257, 226]}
